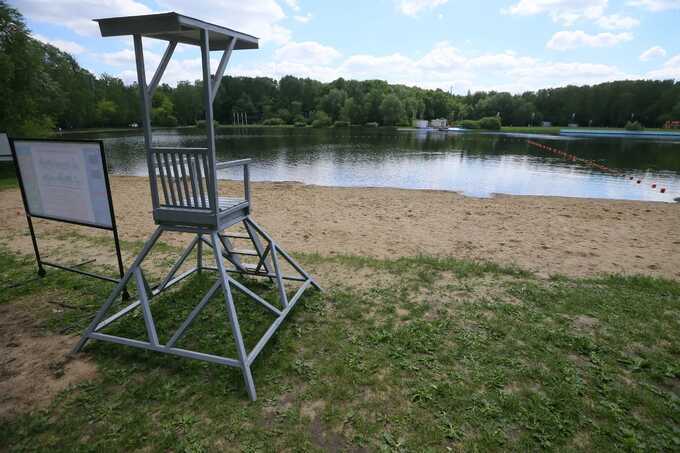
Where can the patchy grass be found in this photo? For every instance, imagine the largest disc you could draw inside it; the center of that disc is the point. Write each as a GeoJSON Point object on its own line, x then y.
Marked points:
{"type": "Point", "coordinates": [443, 353]}
{"type": "Point", "coordinates": [8, 176]}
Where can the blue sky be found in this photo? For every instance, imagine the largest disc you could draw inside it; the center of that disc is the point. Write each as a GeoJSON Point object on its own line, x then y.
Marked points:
{"type": "Point", "coordinates": [509, 45]}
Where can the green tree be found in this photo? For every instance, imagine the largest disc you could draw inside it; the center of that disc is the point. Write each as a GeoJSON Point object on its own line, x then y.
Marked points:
{"type": "Point", "coordinates": [107, 112]}
{"type": "Point", "coordinates": [187, 101]}
{"type": "Point", "coordinates": [333, 102]}
{"type": "Point", "coordinates": [163, 112]}
{"type": "Point", "coordinates": [391, 110]}
{"type": "Point", "coordinates": [321, 119]}
{"type": "Point", "coordinates": [22, 89]}
{"type": "Point", "coordinates": [352, 112]}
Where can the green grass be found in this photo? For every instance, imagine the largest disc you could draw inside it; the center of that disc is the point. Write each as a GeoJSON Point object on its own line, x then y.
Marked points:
{"type": "Point", "coordinates": [436, 354]}
{"type": "Point", "coordinates": [8, 176]}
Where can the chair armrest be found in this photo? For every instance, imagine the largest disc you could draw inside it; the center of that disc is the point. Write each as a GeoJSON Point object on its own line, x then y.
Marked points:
{"type": "Point", "coordinates": [232, 163]}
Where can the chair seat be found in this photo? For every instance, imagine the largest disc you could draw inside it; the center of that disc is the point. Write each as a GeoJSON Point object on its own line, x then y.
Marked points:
{"type": "Point", "coordinates": [226, 203]}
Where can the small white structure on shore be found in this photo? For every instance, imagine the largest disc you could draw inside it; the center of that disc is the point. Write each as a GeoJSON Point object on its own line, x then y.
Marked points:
{"type": "Point", "coordinates": [420, 124]}
{"type": "Point", "coordinates": [438, 123]}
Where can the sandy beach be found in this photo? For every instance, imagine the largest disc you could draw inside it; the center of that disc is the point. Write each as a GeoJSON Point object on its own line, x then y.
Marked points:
{"type": "Point", "coordinates": [547, 235]}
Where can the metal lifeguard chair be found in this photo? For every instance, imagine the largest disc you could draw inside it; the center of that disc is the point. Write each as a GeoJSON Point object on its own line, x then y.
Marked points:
{"type": "Point", "coordinates": [188, 202]}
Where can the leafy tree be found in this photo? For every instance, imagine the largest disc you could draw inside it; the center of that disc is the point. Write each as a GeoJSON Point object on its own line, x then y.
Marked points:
{"type": "Point", "coordinates": [333, 102]}
{"type": "Point", "coordinates": [351, 112]}
{"type": "Point", "coordinates": [162, 112]}
{"type": "Point", "coordinates": [107, 112]}
{"type": "Point", "coordinates": [391, 109]}
{"type": "Point", "coordinates": [321, 119]}
{"type": "Point", "coordinates": [188, 103]}
{"type": "Point", "coordinates": [42, 87]}
{"type": "Point", "coordinates": [22, 90]}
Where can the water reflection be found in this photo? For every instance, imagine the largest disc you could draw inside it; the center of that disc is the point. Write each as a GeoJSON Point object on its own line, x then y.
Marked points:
{"type": "Point", "coordinates": [474, 164]}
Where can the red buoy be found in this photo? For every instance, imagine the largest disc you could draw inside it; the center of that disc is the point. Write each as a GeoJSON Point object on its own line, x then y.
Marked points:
{"type": "Point", "coordinates": [663, 190]}
{"type": "Point", "coordinates": [653, 186]}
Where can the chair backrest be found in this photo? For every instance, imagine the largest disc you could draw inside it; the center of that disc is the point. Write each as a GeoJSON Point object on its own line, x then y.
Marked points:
{"type": "Point", "coordinates": [185, 178]}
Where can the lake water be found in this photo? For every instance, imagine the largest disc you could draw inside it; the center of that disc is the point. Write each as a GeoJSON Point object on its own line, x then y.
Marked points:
{"type": "Point", "coordinates": [476, 164]}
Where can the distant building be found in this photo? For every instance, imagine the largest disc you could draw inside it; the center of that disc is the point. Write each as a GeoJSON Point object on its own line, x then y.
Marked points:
{"type": "Point", "coordinates": [672, 125]}
{"type": "Point", "coordinates": [572, 125]}
{"type": "Point", "coordinates": [546, 124]}
{"type": "Point", "coordinates": [420, 124]}
{"type": "Point", "coordinates": [440, 122]}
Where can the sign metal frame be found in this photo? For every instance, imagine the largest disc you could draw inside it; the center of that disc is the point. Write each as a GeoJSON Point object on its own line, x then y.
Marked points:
{"type": "Point", "coordinates": [29, 215]}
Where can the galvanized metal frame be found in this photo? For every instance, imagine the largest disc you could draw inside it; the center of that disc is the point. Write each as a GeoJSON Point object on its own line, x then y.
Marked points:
{"type": "Point", "coordinates": [188, 215]}
{"type": "Point", "coordinates": [224, 282]}
{"type": "Point", "coordinates": [29, 216]}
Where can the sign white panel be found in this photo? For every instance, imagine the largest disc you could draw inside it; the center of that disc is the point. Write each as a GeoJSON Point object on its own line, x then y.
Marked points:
{"type": "Point", "coordinates": [5, 151]}
{"type": "Point", "coordinates": [65, 181]}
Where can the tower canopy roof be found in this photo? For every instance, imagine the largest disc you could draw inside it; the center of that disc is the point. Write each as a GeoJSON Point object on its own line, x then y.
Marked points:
{"type": "Point", "coordinates": [175, 27]}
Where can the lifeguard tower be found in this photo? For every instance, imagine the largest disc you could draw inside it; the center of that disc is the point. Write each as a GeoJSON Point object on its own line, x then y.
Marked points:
{"type": "Point", "coordinates": [184, 194]}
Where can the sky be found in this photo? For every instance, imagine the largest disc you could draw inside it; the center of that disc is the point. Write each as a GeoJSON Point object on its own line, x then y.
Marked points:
{"type": "Point", "coordinates": [502, 45]}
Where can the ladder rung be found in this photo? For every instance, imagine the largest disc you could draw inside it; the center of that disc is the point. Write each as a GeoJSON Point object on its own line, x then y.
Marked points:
{"type": "Point", "coordinates": [244, 252]}
{"type": "Point", "coordinates": [253, 268]}
{"type": "Point", "coordinates": [236, 235]}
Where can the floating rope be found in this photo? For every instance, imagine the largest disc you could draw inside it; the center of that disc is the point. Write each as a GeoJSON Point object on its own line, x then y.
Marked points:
{"type": "Point", "coordinates": [590, 163]}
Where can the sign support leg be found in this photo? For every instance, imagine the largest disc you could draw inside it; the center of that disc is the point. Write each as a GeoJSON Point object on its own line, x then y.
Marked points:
{"type": "Point", "coordinates": [41, 269]}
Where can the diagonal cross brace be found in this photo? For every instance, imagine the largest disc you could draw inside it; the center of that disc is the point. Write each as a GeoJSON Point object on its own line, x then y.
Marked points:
{"type": "Point", "coordinates": [161, 68]}
{"type": "Point", "coordinates": [217, 78]}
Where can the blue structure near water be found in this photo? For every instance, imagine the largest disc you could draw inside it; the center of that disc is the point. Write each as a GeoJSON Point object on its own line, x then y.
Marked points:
{"type": "Point", "coordinates": [592, 133]}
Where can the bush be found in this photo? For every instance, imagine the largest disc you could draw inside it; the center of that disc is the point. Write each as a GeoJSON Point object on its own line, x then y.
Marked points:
{"type": "Point", "coordinates": [469, 124]}
{"type": "Point", "coordinates": [490, 123]}
{"type": "Point", "coordinates": [634, 126]}
{"type": "Point", "coordinates": [273, 122]}
{"type": "Point", "coordinates": [341, 124]}
{"type": "Point", "coordinates": [201, 124]}
{"type": "Point", "coordinates": [300, 124]}
{"type": "Point", "coordinates": [371, 124]}
{"type": "Point", "coordinates": [40, 126]}
{"type": "Point", "coordinates": [321, 119]}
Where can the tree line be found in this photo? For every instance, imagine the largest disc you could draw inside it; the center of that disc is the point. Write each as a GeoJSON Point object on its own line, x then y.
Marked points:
{"type": "Point", "coordinates": [43, 88]}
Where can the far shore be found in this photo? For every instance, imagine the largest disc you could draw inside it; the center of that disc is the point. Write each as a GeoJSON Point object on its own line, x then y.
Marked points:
{"type": "Point", "coordinates": [551, 130]}
{"type": "Point", "coordinates": [546, 235]}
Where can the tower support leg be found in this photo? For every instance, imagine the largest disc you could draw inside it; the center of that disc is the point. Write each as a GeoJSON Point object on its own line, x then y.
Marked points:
{"type": "Point", "coordinates": [233, 317]}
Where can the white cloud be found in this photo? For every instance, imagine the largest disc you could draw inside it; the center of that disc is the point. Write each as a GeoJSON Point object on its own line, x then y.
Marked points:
{"type": "Point", "coordinates": [293, 4]}
{"type": "Point", "coordinates": [442, 67]}
{"type": "Point", "coordinates": [178, 69]}
{"type": "Point", "coordinates": [414, 7]}
{"type": "Point", "coordinates": [308, 52]}
{"type": "Point", "coordinates": [256, 17]}
{"type": "Point", "coordinates": [66, 46]}
{"type": "Point", "coordinates": [653, 53]}
{"type": "Point", "coordinates": [567, 40]}
{"type": "Point", "coordinates": [304, 19]}
{"type": "Point", "coordinates": [617, 22]}
{"type": "Point", "coordinates": [669, 70]}
{"type": "Point", "coordinates": [445, 66]}
{"type": "Point", "coordinates": [77, 15]}
{"type": "Point", "coordinates": [656, 5]}
{"type": "Point", "coordinates": [566, 12]}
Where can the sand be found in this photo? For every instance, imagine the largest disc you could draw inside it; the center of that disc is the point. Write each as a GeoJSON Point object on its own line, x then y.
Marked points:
{"type": "Point", "coordinates": [547, 235]}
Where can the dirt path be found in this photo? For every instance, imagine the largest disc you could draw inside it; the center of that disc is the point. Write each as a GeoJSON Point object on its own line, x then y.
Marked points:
{"type": "Point", "coordinates": [549, 235]}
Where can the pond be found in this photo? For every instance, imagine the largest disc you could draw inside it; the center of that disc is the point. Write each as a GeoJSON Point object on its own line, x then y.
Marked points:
{"type": "Point", "coordinates": [475, 164]}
